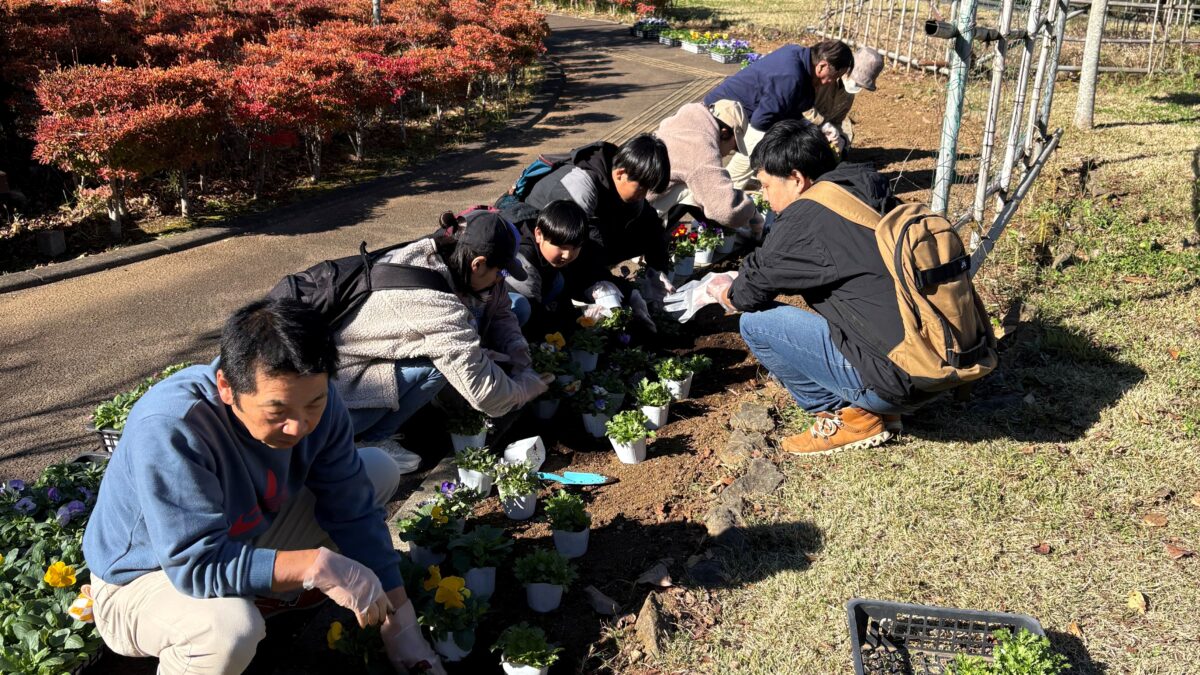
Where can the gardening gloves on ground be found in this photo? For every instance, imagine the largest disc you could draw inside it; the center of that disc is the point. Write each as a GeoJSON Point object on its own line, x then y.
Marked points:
{"type": "Point", "coordinates": [350, 584]}
{"type": "Point", "coordinates": [695, 295]}
{"type": "Point", "coordinates": [406, 647]}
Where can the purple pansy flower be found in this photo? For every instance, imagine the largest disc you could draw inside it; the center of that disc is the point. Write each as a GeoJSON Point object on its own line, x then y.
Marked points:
{"type": "Point", "coordinates": [448, 487]}
{"type": "Point", "coordinates": [88, 495]}
{"type": "Point", "coordinates": [624, 338]}
{"type": "Point", "coordinates": [52, 494]}
{"type": "Point", "coordinates": [69, 510]}
{"type": "Point", "coordinates": [25, 505]}
{"type": "Point", "coordinates": [15, 485]}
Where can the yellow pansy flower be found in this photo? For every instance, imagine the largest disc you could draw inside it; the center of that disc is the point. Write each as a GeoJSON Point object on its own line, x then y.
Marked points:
{"type": "Point", "coordinates": [334, 634]}
{"type": "Point", "coordinates": [586, 321]}
{"type": "Point", "coordinates": [451, 592]}
{"type": "Point", "coordinates": [1, 559]}
{"type": "Point", "coordinates": [556, 340]}
{"type": "Point", "coordinates": [60, 575]}
{"type": "Point", "coordinates": [435, 578]}
{"type": "Point", "coordinates": [437, 515]}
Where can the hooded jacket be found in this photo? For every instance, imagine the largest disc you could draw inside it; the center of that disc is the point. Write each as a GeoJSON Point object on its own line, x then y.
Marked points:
{"type": "Point", "coordinates": [693, 144]}
{"type": "Point", "coordinates": [836, 266]}
{"type": "Point", "coordinates": [779, 86]}
{"type": "Point", "coordinates": [617, 231]}
{"type": "Point", "coordinates": [417, 322]}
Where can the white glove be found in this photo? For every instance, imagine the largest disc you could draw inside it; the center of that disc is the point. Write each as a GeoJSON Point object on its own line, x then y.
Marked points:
{"type": "Point", "coordinates": [605, 293]}
{"type": "Point", "coordinates": [350, 584]}
{"type": "Point", "coordinates": [691, 298]}
{"type": "Point", "coordinates": [406, 647]}
{"type": "Point", "coordinates": [530, 385]}
{"type": "Point", "coordinates": [596, 312]}
{"type": "Point", "coordinates": [641, 311]}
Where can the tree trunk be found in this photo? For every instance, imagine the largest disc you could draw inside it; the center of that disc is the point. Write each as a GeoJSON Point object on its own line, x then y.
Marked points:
{"type": "Point", "coordinates": [114, 209]}
{"type": "Point", "coordinates": [260, 176]}
{"type": "Point", "coordinates": [1085, 105]}
{"type": "Point", "coordinates": [376, 12]}
{"type": "Point", "coordinates": [357, 137]}
{"type": "Point", "coordinates": [314, 145]}
{"type": "Point", "coordinates": [185, 204]}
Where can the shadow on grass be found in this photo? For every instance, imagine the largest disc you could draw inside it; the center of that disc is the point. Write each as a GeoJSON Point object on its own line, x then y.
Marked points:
{"type": "Point", "coordinates": [1073, 648]}
{"type": "Point", "coordinates": [1051, 386]}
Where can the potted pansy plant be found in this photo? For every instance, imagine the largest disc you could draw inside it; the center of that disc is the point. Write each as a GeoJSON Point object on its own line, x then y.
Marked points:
{"type": "Point", "coordinates": [569, 523]}
{"type": "Point", "coordinates": [457, 502]}
{"type": "Point", "coordinates": [586, 346]}
{"type": "Point", "coordinates": [728, 51]}
{"type": "Point", "coordinates": [655, 401]}
{"type": "Point", "coordinates": [610, 380]}
{"type": "Point", "coordinates": [477, 554]}
{"type": "Point", "coordinates": [708, 238]}
{"type": "Point", "coordinates": [451, 615]}
{"type": "Point", "coordinates": [678, 372]}
{"type": "Point", "coordinates": [594, 405]}
{"type": "Point", "coordinates": [683, 252]}
{"type": "Point", "coordinates": [546, 575]}
{"type": "Point", "coordinates": [518, 487]}
{"type": "Point", "coordinates": [524, 650]}
{"type": "Point", "coordinates": [427, 532]}
{"type": "Point", "coordinates": [628, 433]}
{"type": "Point", "coordinates": [697, 42]}
{"type": "Point", "coordinates": [671, 36]}
{"type": "Point", "coordinates": [476, 469]}
{"type": "Point", "coordinates": [467, 427]}
{"type": "Point", "coordinates": [633, 363]}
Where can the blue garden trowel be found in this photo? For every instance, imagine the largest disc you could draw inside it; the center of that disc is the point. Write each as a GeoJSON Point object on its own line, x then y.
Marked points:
{"type": "Point", "coordinates": [577, 478]}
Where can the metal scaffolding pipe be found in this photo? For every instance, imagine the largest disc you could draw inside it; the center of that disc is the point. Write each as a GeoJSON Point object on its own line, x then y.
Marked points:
{"type": "Point", "coordinates": [933, 67]}
{"type": "Point", "coordinates": [993, 111]}
{"type": "Point", "coordinates": [956, 88]}
{"type": "Point", "coordinates": [1018, 112]}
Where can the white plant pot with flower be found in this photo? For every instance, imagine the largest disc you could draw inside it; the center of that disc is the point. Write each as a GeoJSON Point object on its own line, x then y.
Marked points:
{"type": "Point", "coordinates": [462, 441]}
{"type": "Point", "coordinates": [630, 453]}
{"type": "Point", "coordinates": [521, 669]}
{"type": "Point", "coordinates": [585, 360]}
{"type": "Point", "coordinates": [449, 650]}
{"type": "Point", "coordinates": [545, 409]}
{"type": "Point", "coordinates": [476, 480]}
{"type": "Point", "coordinates": [594, 424]}
{"type": "Point", "coordinates": [684, 267]}
{"type": "Point", "coordinates": [520, 507]}
{"type": "Point", "coordinates": [481, 581]}
{"type": "Point", "coordinates": [680, 389]}
{"type": "Point", "coordinates": [543, 597]}
{"type": "Point", "coordinates": [424, 557]}
{"type": "Point", "coordinates": [657, 415]}
{"type": "Point", "coordinates": [704, 257]}
{"type": "Point", "coordinates": [571, 544]}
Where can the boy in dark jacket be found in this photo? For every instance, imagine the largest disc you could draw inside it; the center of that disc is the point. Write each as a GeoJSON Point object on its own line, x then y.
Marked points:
{"type": "Point", "coordinates": [610, 184]}
{"type": "Point", "coordinates": [551, 239]}
{"type": "Point", "coordinates": [832, 360]}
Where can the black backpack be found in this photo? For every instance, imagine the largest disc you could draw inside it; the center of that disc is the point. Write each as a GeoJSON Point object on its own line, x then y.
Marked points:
{"type": "Point", "coordinates": [337, 288]}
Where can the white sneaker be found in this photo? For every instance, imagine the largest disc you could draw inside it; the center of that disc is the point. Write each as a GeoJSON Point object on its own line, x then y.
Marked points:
{"type": "Point", "coordinates": [406, 459]}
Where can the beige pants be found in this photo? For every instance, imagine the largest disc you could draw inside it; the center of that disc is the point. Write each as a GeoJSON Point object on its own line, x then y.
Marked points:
{"type": "Point", "coordinates": [678, 194]}
{"type": "Point", "coordinates": [149, 617]}
{"type": "Point", "coordinates": [739, 164]}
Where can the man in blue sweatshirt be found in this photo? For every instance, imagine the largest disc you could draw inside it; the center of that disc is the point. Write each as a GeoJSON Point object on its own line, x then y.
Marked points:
{"type": "Point", "coordinates": [779, 86]}
{"type": "Point", "coordinates": [234, 481]}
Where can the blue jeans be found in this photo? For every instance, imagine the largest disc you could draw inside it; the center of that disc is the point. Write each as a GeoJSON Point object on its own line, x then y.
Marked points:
{"type": "Point", "coordinates": [417, 382]}
{"type": "Point", "coordinates": [796, 347]}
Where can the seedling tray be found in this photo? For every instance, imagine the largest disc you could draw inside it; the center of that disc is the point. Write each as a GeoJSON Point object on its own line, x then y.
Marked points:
{"type": "Point", "coordinates": [108, 438]}
{"type": "Point", "coordinates": [895, 638]}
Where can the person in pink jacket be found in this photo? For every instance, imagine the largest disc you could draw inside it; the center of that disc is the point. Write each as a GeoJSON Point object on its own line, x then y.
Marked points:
{"type": "Point", "coordinates": [698, 137]}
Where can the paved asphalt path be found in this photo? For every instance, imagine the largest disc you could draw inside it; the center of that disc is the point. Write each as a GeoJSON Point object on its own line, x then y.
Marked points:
{"type": "Point", "coordinates": [67, 345]}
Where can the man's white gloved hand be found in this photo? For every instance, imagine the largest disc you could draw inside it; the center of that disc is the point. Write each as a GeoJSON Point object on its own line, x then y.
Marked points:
{"type": "Point", "coordinates": [530, 385]}
{"type": "Point", "coordinates": [641, 311]}
{"type": "Point", "coordinates": [694, 296]}
{"type": "Point", "coordinates": [350, 584]}
{"type": "Point", "coordinates": [406, 647]}
{"type": "Point", "coordinates": [596, 312]}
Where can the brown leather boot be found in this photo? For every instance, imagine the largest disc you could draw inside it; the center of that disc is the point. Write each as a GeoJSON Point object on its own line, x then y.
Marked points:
{"type": "Point", "coordinates": [847, 429]}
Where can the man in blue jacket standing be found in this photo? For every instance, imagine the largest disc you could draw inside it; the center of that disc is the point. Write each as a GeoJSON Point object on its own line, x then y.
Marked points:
{"type": "Point", "coordinates": [231, 485]}
{"type": "Point", "coordinates": [779, 86]}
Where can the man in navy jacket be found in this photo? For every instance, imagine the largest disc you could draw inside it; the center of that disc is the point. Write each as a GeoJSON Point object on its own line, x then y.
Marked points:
{"type": "Point", "coordinates": [777, 87]}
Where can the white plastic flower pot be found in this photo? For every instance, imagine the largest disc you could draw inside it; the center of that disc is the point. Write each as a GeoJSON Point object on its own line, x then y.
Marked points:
{"type": "Point", "coordinates": [531, 450]}
{"type": "Point", "coordinates": [460, 441]}
{"type": "Point", "coordinates": [520, 669]}
{"type": "Point", "coordinates": [481, 581]}
{"type": "Point", "coordinates": [585, 360]}
{"type": "Point", "coordinates": [476, 480]}
{"type": "Point", "coordinates": [727, 243]}
{"type": "Point", "coordinates": [656, 415]}
{"type": "Point", "coordinates": [543, 597]}
{"type": "Point", "coordinates": [684, 267]}
{"type": "Point", "coordinates": [704, 257]}
{"type": "Point", "coordinates": [520, 507]}
{"type": "Point", "coordinates": [424, 557]}
{"type": "Point", "coordinates": [449, 650]}
{"type": "Point", "coordinates": [571, 544]}
{"type": "Point", "coordinates": [680, 388]}
{"type": "Point", "coordinates": [630, 453]}
{"type": "Point", "coordinates": [545, 409]}
{"type": "Point", "coordinates": [594, 424]}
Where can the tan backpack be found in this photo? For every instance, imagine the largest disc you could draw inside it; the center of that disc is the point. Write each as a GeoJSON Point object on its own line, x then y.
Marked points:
{"type": "Point", "coordinates": [948, 338]}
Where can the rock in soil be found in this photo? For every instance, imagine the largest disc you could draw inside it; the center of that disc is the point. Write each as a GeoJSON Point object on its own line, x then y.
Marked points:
{"type": "Point", "coordinates": [724, 521]}
{"type": "Point", "coordinates": [741, 446]}
{"type": "Point", "coordinates": [658, 575]}
{"type": "Point", "coordinates": [649, 625]}
{"type": "Point", "coordinates": [707, 573]}
{"type": "Point", "coordinates": [752, 417]}
{"type": "Point", "coordinates": [601, 602]}
{"type": "Point", "coordinates": [761, 478]}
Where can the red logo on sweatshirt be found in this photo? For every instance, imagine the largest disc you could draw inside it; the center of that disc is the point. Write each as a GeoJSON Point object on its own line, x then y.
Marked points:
{"type": "Point", "coordinates": [273, 499]}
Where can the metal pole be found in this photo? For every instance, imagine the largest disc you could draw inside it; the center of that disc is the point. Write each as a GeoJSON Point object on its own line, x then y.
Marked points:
{"type": "Point", "coordinates": [956, 88]}
{"type": "Point", "coordinates": [1014, 128]}
{"type": "Point", "coordinates": [993, 111]}
{"type": "Point", "coordinates": [912, 32]}
{"type": "Point", "coordinates": [900, 31]}
{"type": "Point", "coordinates": [1153, 30]}
{"type": "Point", "coordinates": [842, 19]}
{"type": "Point", "coordinates": [1010, 207]}
{"type": "Point", "coordinates": [1032, 133]}
{"type": "Point", "coordinates": [1060, 27]}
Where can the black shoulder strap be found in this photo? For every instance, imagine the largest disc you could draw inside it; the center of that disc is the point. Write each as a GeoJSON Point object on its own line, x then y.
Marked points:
{"type": "Point", "coordinates": [390, 276]}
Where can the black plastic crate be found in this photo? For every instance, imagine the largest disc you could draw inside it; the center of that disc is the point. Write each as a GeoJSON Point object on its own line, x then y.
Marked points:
{"type": "Point", "coordinates": [108, 438]}
{"type": "Point", "coordinates": [896, 638]}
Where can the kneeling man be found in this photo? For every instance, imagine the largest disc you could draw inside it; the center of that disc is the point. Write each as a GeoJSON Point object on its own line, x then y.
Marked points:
{"type": "Point", "coordinates": [231, 486]}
